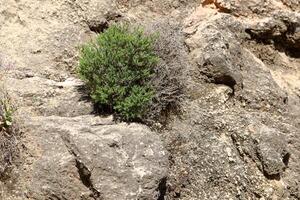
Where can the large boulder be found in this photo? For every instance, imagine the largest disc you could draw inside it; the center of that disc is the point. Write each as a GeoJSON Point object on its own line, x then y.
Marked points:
{"type": "Point", "coordinates": [90, 157]}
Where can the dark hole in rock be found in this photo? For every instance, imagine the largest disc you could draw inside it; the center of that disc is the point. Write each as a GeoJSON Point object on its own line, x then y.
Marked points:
{"type": "Point", "coordinates": [285, 100]}
{"type": "Point", "coordinates": [226, 80]}
{"type": "Point", "coordinates": [84, 174]}
{"type": "Point", "coordinates": [98, 27]}
{"type": "Point", "coordinates": [272, 176]}
{"type": "Point", "coordinates": [286, 159]}
{"type": "Point", "coordinates": [85, 177]}
{"type": "Point", "coordinates": [177, 195]}
{"type": "Point", "coordinates": [162, 188]}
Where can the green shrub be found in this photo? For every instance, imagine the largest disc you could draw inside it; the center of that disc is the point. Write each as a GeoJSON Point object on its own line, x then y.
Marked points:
{"type": "Point", "coordinates": [117, 68]}
{"type": "Point", "coordinates": [6, 112]}
{"type": "Point", "coordinates": [9, 134]}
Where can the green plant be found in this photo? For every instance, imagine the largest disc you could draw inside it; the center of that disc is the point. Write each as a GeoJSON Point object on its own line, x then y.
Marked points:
{"type": "Point", "coordinates": [9, 150]}
{"type": "Point", "coordinates": [6, 112]}
{"type": "Point", "coordinates": [117, 68]}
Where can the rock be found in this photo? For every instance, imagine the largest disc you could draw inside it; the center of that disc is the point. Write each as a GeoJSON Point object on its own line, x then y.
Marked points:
{"type": "Point", "coordinates": [266, 146]}
{"type": "Point", "coordinates": [47, 97]}
{"type": "Point", "coordinates": [237, 133]}
{"type": "Point", "coordinates": [293, 4]}
{"type": "Point", "coordinates": [214, 65]}
{"type": "Point", "coordinates": [272, 148]}
{"type": "Point", "coordinates": [233, 151]}
{"type": "Point", "coordinates": [252, 7]}
{"type": "Point", "coordinates": [90, 157]}
{"type": "Point", "coordinates": [230, 142]}
{"type": "Point", "coordinates": [207, 159]}
{"type": "Point", "coordinates": [283, 28]}
{"type": "Point", "coordinates": [217, 52]}
{"type": "Point", "coordinates": [67, 153]}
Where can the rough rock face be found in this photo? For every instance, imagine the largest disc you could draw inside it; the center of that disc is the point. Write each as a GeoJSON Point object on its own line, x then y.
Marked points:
{"type": "Point", "coordinates": [89, 157]}
{"type": "Point", "coordinates": [93, 158]}
{"type": "Point", "coordinates": [66, 152]}
{"type": "Point", "coordinates": [233, 140]}
{"type": "Point", "coordinates": [219, 56]}
{"type": "Point", "coordinates": [237, 136]}
{"type": "Point", "coordinates": [251, 7]}
{"type": "Point", "coordinates": [282, 27]}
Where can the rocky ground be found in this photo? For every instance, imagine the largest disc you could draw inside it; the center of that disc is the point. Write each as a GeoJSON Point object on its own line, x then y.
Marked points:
{"type": "Point", "coordinates": [237, 135]}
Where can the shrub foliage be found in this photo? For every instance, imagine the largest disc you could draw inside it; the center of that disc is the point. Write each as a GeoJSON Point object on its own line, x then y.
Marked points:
{"type": "Point", "coordinates": [9, 150]}
{"type": "Point", "coordinates": [118, 67]}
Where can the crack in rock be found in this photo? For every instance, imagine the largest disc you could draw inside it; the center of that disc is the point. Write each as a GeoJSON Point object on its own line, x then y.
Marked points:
{"type": "Point", "coordinates": [162, 188]}
{"type": "Point", "coordinates": [83, 170]}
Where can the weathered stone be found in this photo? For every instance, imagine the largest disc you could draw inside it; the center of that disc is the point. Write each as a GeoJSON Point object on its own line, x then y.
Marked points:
{"type": "Point", "coordinates": [94, 158]}
{"type": "Point", "coordinates": [71, 155]}
{"type": "Point", "coordinates": [47, 97]}
{"type": "Point", "coordinates": [266, 146]}
{"type": "Point", "coordinates": [215, 152]}
{"type": "Point", "coordinates": [217, 51]}
{"type": "Point", "coordinates": [251, 7]}
{"type": "Point", "coordinates": [237, 136]}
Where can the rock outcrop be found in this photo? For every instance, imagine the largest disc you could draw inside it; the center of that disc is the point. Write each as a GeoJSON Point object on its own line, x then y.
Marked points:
{"type": "Point", "coordinates": [89, 157]}
{"type": "Point", "coordinates": [236, 136]}
{"type": "Point", "coordinates": [66, 151]}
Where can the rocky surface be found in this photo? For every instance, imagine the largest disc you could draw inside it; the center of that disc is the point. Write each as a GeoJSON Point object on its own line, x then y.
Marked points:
{"type": "Point", "coordinates": [237, 135]}
{"type": "Point", "coordinates": [234, 140]}
{"type": "Point", "coordinates": [67, 152]}
{"type": "Point", "coordinates": [93, 158]}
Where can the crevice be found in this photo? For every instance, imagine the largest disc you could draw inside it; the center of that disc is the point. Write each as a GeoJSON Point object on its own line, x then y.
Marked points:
{"type": "Point", "coordinates": [237, 146]}
{"type": "Point", "coordinates": [55, 197]}
{"type": "Point", "coordinates": [258, 196]}
{"type": "Point", "coordinates": [101, 26]}
{"type": "Point", "coordinates": [85, 177]}
{"type": "Point", "coordinates": [272, 177]}
{"type": "Point", "coordinates": [286, 159]}
{"type": "Point", "coordinates": [162, 189]}
{"type": "Point", "coordinates": [221, 8]}
{"type": "Point", "coordinates": [217, 4]}
{"type": "Point", "coordinates": [226, 80]}
{"type": "Point", "coordinates": [83, 171]}
{"type": "Point", "coordinates": [219, 77]}
{"type": "Point", "coordinates": [281, 42]}
{"type": "Point", "coordinates": [98, 27]}
{"type": "Point", "coordinates": [207, 2]}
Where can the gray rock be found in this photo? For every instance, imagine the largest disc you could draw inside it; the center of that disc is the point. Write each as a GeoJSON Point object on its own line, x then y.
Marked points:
{"type": "Point", "coordinates": [89, 157]}
{"type": "Point", "coordinates": [233, 139]}
{"type": "Point", "coordinates": [71, 155]}
{"type": "Point", "coordinates": [217, 51]}
{"type": "Point", "coordinates": [230, 142]}
{"type": "Point", "coordinates": [45, 97]}
{"type": "Point", "coordinates": [266, 146]}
